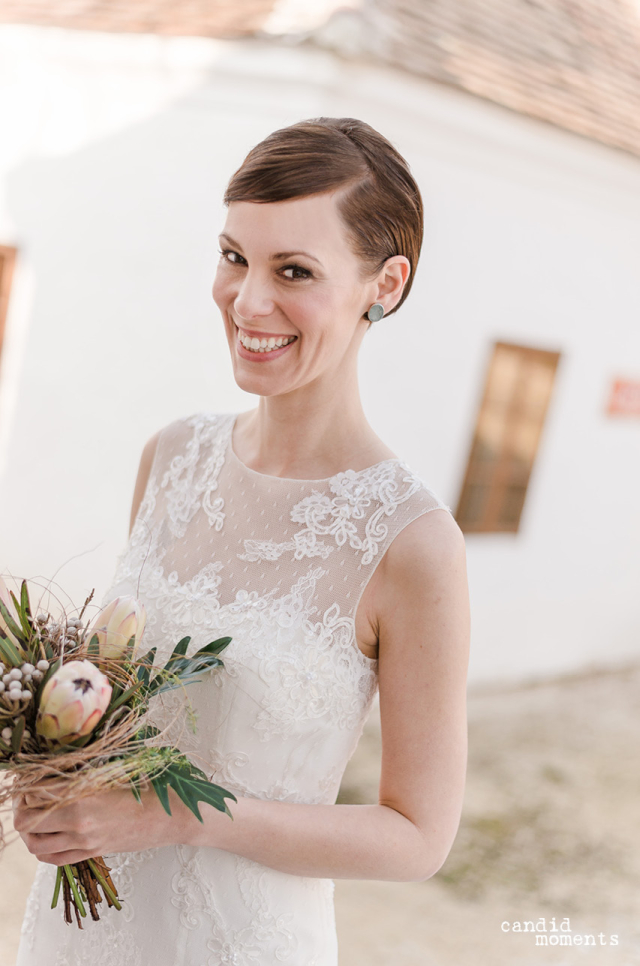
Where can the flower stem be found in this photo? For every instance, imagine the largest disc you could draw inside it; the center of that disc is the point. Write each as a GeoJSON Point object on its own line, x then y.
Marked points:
{"type": "Point", "coordinates": [56, 891]}
{"type": "Point", "coordinates": [76, 894]}
{"type": "Point", "coordinates": [101, 880]}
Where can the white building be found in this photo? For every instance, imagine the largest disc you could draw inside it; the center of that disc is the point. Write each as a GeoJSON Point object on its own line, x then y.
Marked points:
{"type": "Point", "coordinates": [116, 145]}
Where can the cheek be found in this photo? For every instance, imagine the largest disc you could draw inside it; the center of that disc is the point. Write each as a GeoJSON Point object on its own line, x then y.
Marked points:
{"type": "Point", "coordinates": [220, 289]}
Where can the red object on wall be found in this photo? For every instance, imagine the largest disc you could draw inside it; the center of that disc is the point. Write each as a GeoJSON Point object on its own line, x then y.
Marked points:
{"type": "Point", "coordinates": [625, 398]}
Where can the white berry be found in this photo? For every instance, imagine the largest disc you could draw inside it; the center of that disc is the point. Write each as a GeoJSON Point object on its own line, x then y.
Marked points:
{"type": "Point", "coordinates": [42, 665]}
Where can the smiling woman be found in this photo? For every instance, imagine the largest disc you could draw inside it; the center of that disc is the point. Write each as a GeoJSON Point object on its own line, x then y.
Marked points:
{"type": "Point", "coordinates": [297, 531]}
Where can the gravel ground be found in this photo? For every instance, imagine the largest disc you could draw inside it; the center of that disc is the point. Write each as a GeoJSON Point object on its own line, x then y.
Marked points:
{"type": "Point", "coordinates": [549, 830]}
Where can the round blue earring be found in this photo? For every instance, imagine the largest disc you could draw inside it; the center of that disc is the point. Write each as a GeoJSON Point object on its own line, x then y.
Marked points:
{"type": "Point", "coordinates": [375, 312]}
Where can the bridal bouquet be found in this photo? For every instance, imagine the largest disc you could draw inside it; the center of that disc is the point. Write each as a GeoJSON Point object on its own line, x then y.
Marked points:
{"type": "Point", "coordinates": [72, 707]}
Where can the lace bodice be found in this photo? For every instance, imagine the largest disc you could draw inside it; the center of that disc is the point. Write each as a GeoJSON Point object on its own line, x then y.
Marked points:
{"type": "Point", "coordinates": [280, 566]}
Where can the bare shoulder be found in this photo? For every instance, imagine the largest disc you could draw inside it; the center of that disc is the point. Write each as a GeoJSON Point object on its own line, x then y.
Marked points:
{"type": "Point", "coordinates": [422, 580]}
{"type": "Point", "coordinates": [431, 543]}
{"type": "Point", "coordinates": [144, 470]}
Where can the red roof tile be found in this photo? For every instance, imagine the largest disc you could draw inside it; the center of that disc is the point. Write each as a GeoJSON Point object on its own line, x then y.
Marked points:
{"type": "Point", "coordinates": [574, 63]}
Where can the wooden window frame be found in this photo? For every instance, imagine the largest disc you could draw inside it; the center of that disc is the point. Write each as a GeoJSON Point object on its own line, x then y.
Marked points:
{"type": "Point", "coordinates": [7, 263]}
{"type": "Point", "coordinates": [506, 478]}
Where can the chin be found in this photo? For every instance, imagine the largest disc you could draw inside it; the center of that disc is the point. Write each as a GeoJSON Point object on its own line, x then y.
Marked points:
{"type": "Point", "coordinates": [258, 386]}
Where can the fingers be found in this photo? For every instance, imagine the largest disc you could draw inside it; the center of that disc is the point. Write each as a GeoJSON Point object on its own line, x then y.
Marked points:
{"type": "Point", "coordinates": [47, 843]}
{"type": "Point", "coordinates": [28, 819]}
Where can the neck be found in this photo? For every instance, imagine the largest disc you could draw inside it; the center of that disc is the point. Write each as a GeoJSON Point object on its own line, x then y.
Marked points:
{"type": "Point", "coordinates": [310, 433]}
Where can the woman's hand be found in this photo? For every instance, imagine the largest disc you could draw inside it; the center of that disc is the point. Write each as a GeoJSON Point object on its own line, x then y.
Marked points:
{"type": "Point", "coordinates": [109, 821]}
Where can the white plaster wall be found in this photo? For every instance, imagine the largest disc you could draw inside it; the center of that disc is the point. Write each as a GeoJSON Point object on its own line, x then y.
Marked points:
{"type": "Point", "coordinates": [114, 154]}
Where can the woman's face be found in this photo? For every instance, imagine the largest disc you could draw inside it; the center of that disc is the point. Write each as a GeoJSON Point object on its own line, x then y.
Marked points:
{"type": "Point", "coordinates": [288, 284]}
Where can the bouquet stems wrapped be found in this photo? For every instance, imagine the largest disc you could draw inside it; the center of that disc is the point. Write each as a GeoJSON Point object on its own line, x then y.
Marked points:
{"type": "Point", "coordinates": [72, 707]}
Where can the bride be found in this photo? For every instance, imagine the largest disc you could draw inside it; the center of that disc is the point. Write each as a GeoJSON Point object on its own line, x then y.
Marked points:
{"type": "Point", "coordinates": [297, 530]}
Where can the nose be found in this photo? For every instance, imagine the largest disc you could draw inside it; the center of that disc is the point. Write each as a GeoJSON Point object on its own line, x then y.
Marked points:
{"type": "Point", "coordinates": [254, 298]}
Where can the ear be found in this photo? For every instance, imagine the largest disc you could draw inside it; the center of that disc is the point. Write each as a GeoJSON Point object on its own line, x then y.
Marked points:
{"type": "Point", "coordinates": [392, 280]}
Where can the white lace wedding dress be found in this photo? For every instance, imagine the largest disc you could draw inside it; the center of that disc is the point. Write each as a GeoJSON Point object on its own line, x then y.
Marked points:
{"type": "Point", "coordinates": [279, 565]}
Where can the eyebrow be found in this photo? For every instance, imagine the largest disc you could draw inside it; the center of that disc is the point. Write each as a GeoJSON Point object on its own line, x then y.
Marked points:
{"type": "Point", "coordinates": [275, 255]}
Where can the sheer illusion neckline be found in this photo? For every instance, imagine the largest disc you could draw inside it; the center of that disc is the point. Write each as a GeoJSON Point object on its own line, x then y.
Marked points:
{"type": "Point", "coordinates": [231, 454]}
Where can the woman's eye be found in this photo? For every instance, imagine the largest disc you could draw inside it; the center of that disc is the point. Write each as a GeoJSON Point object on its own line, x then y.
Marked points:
{"type": "Point", "coordinates": [287, 268]}
{"type": "Point", "coordinates": [228, 251]}
{"type": "Point", "coordinates": [297, 268]}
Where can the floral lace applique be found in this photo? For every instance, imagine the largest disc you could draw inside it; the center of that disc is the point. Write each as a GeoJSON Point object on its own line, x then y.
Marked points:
{"type": "Point", "coordinates": [244, 943]}
{"type": "Point", "coordinates": [194, 479]}
{"type": "Point", "coordinates": [341, 515]}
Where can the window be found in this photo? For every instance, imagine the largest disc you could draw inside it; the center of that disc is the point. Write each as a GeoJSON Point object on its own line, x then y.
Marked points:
{"type": "Point", "coordinates": [7, 259]}
{"type": "Point", "coordinates": [516, 396]}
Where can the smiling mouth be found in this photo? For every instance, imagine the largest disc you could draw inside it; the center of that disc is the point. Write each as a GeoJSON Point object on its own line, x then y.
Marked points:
{"type": "Point", "coordinates": [264, 343]}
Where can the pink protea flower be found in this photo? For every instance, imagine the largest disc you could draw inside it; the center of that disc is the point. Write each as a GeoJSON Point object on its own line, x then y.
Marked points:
{"type": "Point", "coordinates": [73, 701]}
{"type": "Point", "coordinates": [122, 619]}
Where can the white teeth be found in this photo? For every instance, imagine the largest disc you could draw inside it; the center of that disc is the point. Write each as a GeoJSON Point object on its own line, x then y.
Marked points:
{"type": "Point", "coordinates": [264, 345]}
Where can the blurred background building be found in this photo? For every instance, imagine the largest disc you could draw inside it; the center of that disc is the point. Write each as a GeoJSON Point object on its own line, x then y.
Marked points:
{"type": "Point", "coordinates": [510, 380]}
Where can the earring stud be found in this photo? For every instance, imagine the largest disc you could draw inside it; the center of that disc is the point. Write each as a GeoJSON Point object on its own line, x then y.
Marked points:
{"type": "Point", "coordinates": [376, 311]}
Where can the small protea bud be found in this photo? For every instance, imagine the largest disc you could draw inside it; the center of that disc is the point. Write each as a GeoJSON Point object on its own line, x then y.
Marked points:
{"type": "Point", "coordinates": [122, 619]}
{"type": "Point", "coordinates": [73, 701]}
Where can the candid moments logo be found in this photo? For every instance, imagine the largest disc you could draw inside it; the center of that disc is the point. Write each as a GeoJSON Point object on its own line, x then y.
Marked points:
{"type": "Point", "coordinates": [546, 933]}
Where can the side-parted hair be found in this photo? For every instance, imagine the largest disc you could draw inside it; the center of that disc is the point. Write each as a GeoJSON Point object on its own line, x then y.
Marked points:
{"type": "Point", "coordinates": [381, 205]}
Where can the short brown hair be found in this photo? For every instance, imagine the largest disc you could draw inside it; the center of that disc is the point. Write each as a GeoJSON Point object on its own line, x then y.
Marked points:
{"type": "Point", "coordinates": [381, 206]}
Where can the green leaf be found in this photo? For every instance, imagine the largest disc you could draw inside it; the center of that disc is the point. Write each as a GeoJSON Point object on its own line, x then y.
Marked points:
{"type": "Point", "coordinates": [160, 785]}
{"type": "Point", "coordinates": [181, 647]}
{"type": "Point", "coordinates": [6, 764]}
{"type": "Point", "coordinates": [9, 621]}
{"type": "Point", "coordinates": [184, 778]}
{"type": "Point", "coordinates": [17, 733]}
{"type": "Point", "coordinates": [93, 649]}
{"type": "Point", "coordinates": [185, 668]}
{"type": "Point", "coordinates": [124, 697]}
{"type": "Point", "coordinates": [136, 792]}
{"type": "Point", "coordinates": [215, 646]}
{"type": "Point", "coordinates": [4, 746]}
{"type": "Point", "coordinates": [9, 652]}
{"type": "Point", "coordinates": [24, 599]}
{"type": "Point", "coordinates": [26, 625]}
{"type": "Point", "coordinates": [145, 672]}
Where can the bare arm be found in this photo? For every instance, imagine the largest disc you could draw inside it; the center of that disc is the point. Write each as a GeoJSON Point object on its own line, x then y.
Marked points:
{"type": "Point", "coordinates": [144, 469]}
{"type": "Point", "coordinates": [423, 628]}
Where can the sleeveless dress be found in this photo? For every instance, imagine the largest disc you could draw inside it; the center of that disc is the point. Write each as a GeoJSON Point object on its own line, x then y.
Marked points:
{"type": "Point", "coordinates": [279, 565]}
